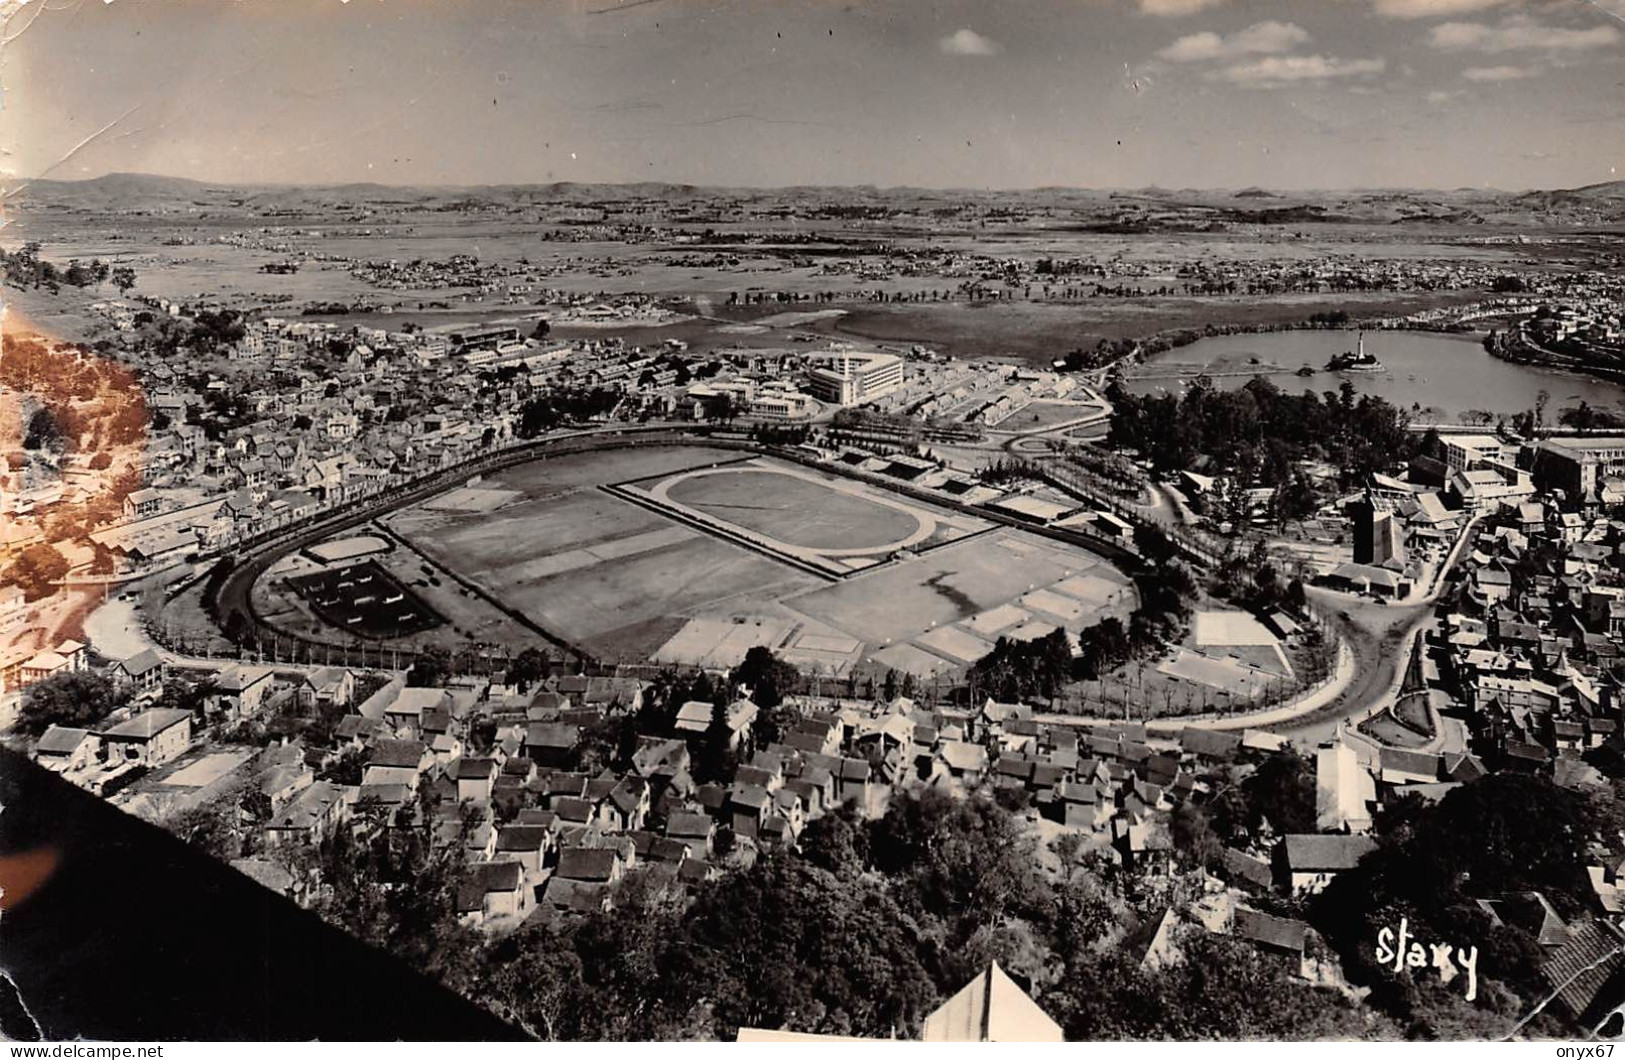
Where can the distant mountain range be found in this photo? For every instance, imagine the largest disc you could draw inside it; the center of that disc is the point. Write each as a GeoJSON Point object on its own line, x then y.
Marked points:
{"type": "Point", "coordinates": [116, 192]}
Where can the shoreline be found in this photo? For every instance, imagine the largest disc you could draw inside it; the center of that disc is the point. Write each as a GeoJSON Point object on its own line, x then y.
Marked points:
{"type": "Point", "coordinates": [1180, 372]}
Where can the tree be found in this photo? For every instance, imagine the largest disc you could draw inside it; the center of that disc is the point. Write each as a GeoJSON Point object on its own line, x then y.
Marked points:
{"type": "Point", "coordinates": [1018, 670]}
{"type": "Point", "coordinates": [179, 693]}
{"type": "Point", "coordinates": [102, 561]}
{"type": "Point", "coordinates": [431, 669]}
{"type": "Point", "coordinates": [44, 431]}
{"type": "Point", "coordinates": [207, 828]}
{"type": "Point", "coordinates": [536, 985]}
{"type": "Point", "coordinates": [35, 571]}
{"type": "Point", "coordinates": [1193, 836]}
{"type": "Point", "coordinates": [530, 666]}
{"type": "Point", "coordinates": [788, 944]}
{"type": "Point", "coordinates": [768, 677]}
{"type": "Point", "coordinates": [123, 278]}
{"type": "Point", "coordinates": [1500, 835]}
{"type": "Point", "coordinates": [1282, 790]}
{"type": "Point", "coordinates": [715, 761]}
{"type": "Point", "coordinates": [76, 699]}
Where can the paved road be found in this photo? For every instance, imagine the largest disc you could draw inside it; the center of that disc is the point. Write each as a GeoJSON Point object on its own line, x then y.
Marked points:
{"type": "Point", "coordinates": [115, 631]}
{"type": "Point", "coordinates": [1380, 638]}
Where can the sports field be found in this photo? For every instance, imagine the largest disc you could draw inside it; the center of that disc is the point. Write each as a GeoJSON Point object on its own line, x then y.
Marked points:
{"type": "Point", "coordinates": [795, 509]}
{"type": "Point", "coordinates": [946, 608]}
{"type": "Point", "coordinates": [1047, 415]}
{"type": "Point", "coordinates": [695, 555]}
{"type": "Point", "coordinates": [598, 570]}
{"type": "Point", "coordinates": [825, 521]}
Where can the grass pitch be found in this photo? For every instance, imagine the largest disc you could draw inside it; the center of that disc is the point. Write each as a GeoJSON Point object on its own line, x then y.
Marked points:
{"type": "Point", "coordinates": [796, 510]}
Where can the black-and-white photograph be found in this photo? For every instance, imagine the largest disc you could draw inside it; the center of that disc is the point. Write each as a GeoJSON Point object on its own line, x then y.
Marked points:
{"type": "Point", "coordinates": [807, 520]}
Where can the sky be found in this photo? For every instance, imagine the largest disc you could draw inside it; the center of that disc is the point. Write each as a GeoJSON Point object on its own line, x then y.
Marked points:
{"type": "Point", "coordinates": [1327, 94]}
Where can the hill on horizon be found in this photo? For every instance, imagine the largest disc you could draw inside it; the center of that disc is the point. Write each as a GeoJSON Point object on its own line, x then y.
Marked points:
{"type": "Point", "coordinates": [125, 192]}
{"type": "Point", "coordinates": [142, 182]}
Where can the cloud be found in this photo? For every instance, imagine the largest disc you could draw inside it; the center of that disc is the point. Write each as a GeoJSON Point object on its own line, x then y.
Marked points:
{"type": "Point", "coordinates": [968, 42]}
{"type": "Point", "coordinates": [1500, 73]}
{"type": "Point", "coordinates": [1518, 33]}
{"type": "Point", "coordinates": [1275, 71]}
{"type": "Point", "coordinates": [1439, 97]}
{"type": "Point", "coordinates": [1176, 8]}
{"type": "Point", "coordinates": [1261, 38]}
{"type": "Point", "coordinates": [1432, 8]}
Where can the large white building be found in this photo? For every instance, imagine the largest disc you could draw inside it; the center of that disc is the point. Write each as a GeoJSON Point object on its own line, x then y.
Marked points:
{"type": "Point", "coordinates": [853, 377]}
{"type": "Point", "coordinates": [1465, 452]}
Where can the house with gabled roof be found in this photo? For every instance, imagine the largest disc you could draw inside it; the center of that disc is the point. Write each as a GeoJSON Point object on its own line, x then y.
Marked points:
{"type": "Point", "coordinates": [1312, 861]}
{"type": "Point", "coordinates": [309, 817]}
{"type": "Point", "coordinates": [694, 830]}
{"type": "Point", "coordinates": [406, 708]}
{"type": "Point", "coordinates": [67, 750]}
{"type": "Point", "coordinates": [1080, 805]}
{"type": "Point", "coordinates": [628, 804]}
{"type": "Point", "coordinates": [528, 844]}
{"type": "Point", "coordinates": [150, 738]}
{"type": "Point", "coordinates": [1588, 975]}
{"type": "Point", "coordinates": [476, 778]}
{"type": "Point", "coordinates": [1273, 933]}
{"type": "Point", "coordinates": [327, 687]}
{"type": "Point", "coordinates": [356, 731]}
{"type": "Point", "coordinates": [401, 762]}
{"type": "Point", "coordinates": [551, 745]}
{"type": "Point", "coordinates": [140, 673]}
{"type": "Point", "coordinates": [240, 690]}
{"type": "Point", "coordinates": [494, 889]}
{"type": "Point", "coordinates": [991, 1008]}
{"type": "Point", "coordinates": [695, 717]}
{"type": "Point", "coordinates": [965, 762]}
{"type": "Point", "coordinates": [1247, 872]}
{"type": "Point", "coordinates": [601, 865]}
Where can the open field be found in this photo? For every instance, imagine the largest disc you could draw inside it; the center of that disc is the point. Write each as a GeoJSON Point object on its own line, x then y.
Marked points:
{"type": "Point", "coordinates": [1039, 332]}
{"type": "Point", "coordinates": [946, 585]}
{"type": "Point", "coordinates": [798, 511]}
{"type": "Point", "coordinates": [472, 499]}
{"type": "Point", "coordinates": [1047, 415]}
{"type": "Point", "coordinates": [555, 475]}
{"type": "Point", "coordinates": [604, 572]}
{"type": "Point", "coordinates": [831, 523]}
{"type": "Point", "coordinates": [206, 770]}
{"type": "Point", "coordinates": [549, 525]}
{"type": "Point", "coordinates": [626, 581]}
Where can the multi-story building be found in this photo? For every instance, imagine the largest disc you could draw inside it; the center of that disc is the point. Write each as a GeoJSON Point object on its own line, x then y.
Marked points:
{"type": "Point", "coordinates": [1577, 465]}
{"type": "Point", "coordinates": [1378, 538]}
{"type": "Point", "coordinates": [854, 377]}
{"type": "Point", "coordinates": [1464, 452]}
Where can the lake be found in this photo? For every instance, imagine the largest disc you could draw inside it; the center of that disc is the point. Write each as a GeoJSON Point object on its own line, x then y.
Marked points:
{"type": "Point", "coordinates": [1446, 375]}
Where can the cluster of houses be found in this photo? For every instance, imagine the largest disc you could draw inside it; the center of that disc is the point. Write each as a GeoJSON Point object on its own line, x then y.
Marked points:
{"type": "Point", "coordinates": [1521, 665]}
{"type": "Point", "coordinates": [514, 779]}
{"type": "Point", "coordinates": [1596, 322]}
{"type": "Point", "coordinates": [141, 736]}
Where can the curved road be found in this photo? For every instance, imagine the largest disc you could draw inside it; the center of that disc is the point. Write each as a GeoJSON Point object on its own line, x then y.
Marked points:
{"type": "Point", "coordinates": [1379, 637]}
